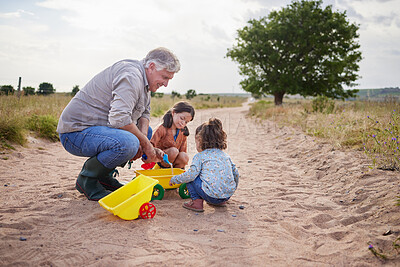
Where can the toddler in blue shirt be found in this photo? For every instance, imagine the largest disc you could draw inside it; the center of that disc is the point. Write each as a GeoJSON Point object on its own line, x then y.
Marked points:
{"type": "Point", "coordinates": [212, 176]}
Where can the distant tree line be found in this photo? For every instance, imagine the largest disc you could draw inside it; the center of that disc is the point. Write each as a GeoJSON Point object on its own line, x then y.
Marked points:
{"type": "Point", "coordinates": [44, 89]}
{"type": "Point", "coordinates": [189, 94]}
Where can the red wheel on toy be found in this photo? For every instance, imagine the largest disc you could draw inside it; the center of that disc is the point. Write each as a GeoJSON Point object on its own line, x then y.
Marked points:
{"type": "Point", "coordinates": [147, 211]}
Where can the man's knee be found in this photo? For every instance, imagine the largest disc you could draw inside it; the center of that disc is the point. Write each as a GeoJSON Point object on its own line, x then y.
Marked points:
{"type": "Point", "coordinates": [130, 145]}
{"type": "Point", "coordinates": [133, 146]}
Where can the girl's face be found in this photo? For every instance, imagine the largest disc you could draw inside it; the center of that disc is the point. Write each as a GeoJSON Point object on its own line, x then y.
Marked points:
{"type": "Point", "coordinates": [198, 143]}
{"type": "Point", "coordinates": [181, 119]}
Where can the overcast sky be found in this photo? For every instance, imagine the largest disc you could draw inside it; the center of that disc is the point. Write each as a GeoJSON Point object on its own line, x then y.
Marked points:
{"type": "Point", "coordinates": [67, 42]}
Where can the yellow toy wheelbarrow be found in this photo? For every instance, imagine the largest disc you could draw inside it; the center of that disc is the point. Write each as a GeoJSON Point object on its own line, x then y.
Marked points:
{"type": "Point", "coordinates": [163, 176]}
{"type": "Point", "coordinates": [132, 200]}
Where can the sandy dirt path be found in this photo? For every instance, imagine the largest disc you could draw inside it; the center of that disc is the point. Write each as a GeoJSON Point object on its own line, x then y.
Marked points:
{"type": "Point", "coordinates": [303, 204]}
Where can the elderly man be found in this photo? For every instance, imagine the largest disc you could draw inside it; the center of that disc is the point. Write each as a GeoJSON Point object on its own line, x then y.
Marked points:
{"type": "Point", "coordinates": [108, 120]}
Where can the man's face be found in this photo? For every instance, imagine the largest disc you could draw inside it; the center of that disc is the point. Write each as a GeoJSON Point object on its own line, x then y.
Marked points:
{"type": "Point", "coordinates": [157, 78]}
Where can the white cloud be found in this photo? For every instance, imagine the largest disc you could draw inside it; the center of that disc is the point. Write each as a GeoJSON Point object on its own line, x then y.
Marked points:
{"type": "Point", "coordinates": [19, 13]}
{"type": "Point", "coordinates": [369, 9]}
{"type": "Point", "coordinates": [379, 33]}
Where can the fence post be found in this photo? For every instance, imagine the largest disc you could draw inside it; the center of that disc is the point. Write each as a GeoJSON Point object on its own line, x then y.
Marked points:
{"type": "Point", "coordinates": [19, 88]}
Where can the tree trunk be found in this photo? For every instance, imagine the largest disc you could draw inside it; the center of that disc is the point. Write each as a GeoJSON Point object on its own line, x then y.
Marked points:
{"type": "Point", "coordinates": [278, 98]}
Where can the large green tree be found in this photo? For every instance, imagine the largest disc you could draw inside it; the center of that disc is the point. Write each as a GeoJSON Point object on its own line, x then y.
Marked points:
{"type": "Point", "coordinates": [302, 49]}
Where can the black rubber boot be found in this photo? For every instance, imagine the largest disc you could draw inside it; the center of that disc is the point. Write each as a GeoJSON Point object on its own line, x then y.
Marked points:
{"type": "Point", "coordinates": [109, 182]}
{"type": "Point", "coordinates": [88, 179]}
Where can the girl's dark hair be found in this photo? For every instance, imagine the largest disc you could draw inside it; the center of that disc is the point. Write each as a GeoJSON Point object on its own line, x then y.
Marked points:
{"type": "Point", "coordinates": [179, 107]}
{"type": "Point", "coordinates": [211, 134]}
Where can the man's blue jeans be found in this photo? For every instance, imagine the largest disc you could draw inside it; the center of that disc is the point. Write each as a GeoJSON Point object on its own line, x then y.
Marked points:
{"type": "Point", "coordinates": [113, 147]}
{"type": "Point", "coordinates": [196, 191]}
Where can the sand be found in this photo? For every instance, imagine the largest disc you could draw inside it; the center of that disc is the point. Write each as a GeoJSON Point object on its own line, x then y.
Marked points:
{"type": "Point", "coordinates": [299, 203]}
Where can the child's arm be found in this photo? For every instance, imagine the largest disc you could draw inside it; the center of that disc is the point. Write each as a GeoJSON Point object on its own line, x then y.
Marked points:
{"type": "Point", "coordinates": [185, 177]}
{"type": "Point", "coordinates": [189, 175]}
{"type": "Point", "coordinates": [235, 174]}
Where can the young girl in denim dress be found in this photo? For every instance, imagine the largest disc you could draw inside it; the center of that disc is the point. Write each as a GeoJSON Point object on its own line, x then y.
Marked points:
{"type": "Point", "coordinates": [171, 135]}
{"type": "Point", "coordinates": [212, 176]}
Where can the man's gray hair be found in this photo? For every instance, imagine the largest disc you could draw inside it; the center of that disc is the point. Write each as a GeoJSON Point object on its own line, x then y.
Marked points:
{"type": "Point", "coordinates": [163, 59]}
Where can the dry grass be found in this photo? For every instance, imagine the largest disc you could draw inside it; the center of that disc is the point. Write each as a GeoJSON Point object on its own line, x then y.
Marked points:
{"type": "Point", "coordinates": [361, 125]}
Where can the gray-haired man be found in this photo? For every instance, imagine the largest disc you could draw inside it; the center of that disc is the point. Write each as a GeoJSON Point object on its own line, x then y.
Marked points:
{"type": "Point", "coordinates": [108, 120]}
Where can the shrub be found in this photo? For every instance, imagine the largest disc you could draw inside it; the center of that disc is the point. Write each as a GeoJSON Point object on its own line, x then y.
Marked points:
{"type": "Point", "coordinates": [11, 131]}
{"type": "Point", "coordinates": [44, 125]}
{"type": "Point", "coordinates": [156, 94]}
{"type": "Point", "coordinates": [190, 94]}
{"type": "Point", "coordinates": [28, 90]}
{"type": "Point", "coordinates": [75, 90]}
{"type": "Point", "coordinates": [7, 89]}
{"type": "Point", "coordinates": [323, 104]}
{"type": "Point", "coordinates": [46, 89]}
{"type": "Point", "coordinates": [175, 94]}
{"type": "Point", "coordinates": [260, 109]}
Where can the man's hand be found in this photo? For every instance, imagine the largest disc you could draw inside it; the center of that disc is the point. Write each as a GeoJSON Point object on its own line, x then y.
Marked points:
{"type": "Point", "coordinates": [150, 153]}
